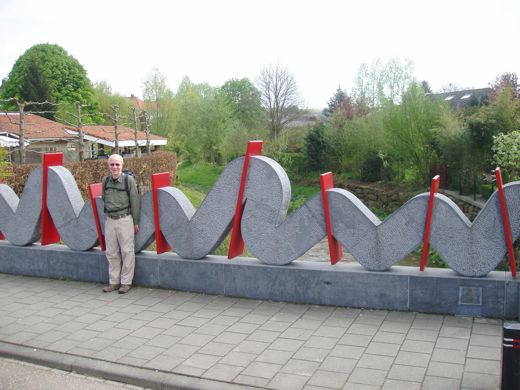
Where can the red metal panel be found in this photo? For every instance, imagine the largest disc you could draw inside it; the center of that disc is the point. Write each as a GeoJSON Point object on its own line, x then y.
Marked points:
{"type": "Point", "coordinates": [505, 221]}
{"type": "Point", "coordinates": [236, 245]}
{"type": "Point", "coordinates": [49, 233]}
{"type": "Point", "coordinates": [427, 226]}
{"type": "Point", "coordinates": [95, 191]}
{"type": "Point", "coordinates": [159, 180]}
{"type": "Point", "coordinates": [335, 248]}
{"type": "Point", "coordinates": [2, 237]}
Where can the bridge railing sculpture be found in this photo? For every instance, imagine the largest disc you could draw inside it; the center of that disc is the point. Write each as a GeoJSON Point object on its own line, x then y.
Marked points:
{"type": "Point", "coordinates": [272, 236]}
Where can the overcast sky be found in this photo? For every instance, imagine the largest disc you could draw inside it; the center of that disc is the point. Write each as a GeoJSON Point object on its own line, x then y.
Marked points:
{"type": "Point", "coordinates": [322, 43]}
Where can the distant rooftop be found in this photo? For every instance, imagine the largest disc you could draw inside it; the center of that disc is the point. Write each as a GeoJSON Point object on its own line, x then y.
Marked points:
{"type": "Point", "coordinates": [137, 103]}
{"type": "Point", "coordinates": [309, 118]}
{"type": "Point", "coordinates": [464, 98]}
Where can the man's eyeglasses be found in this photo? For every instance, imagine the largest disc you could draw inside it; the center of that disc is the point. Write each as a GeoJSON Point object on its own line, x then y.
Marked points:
{"type": "Point", "coordinates": [114, 164]}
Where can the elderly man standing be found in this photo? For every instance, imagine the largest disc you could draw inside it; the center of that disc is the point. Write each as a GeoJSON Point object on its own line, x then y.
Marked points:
{"type": "Point", "coordinates": [122, 210]}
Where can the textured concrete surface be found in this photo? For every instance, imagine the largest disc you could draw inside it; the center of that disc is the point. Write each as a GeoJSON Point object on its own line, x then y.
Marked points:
{"type": "Point", "coordinates": [474, 249]}
{"type": "Point", "coordinates": [471, 249]}
{"type": "Point", "coordinates": [193, 233]}
{"type": "Point", "coordinates": [20, 218]}
{"type": "Point", "coordinates": [153, 335]}
{"type": "Point", "coordinates": [72, 217]}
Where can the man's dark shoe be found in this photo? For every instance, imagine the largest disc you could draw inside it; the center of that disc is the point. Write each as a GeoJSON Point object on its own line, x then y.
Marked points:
{"type": "Point", "coordinates": [125, 288]}
{"type": "Point", "coordinates": [111, 287]}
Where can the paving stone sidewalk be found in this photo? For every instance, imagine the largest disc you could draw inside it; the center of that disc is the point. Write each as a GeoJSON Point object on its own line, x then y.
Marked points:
{"type": "Point", "coordinates": [249, 342]}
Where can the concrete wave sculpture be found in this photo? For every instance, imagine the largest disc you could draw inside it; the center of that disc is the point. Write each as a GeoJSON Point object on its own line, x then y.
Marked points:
{"type": "Point", "coordinates": [20, 218]}
{"type": "Point", "coordinates": [471, 249]}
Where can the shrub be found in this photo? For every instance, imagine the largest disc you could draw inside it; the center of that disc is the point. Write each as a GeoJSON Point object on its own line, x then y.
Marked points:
{"type": "Point", "coordinates": [92, 171]}
{"type": "Point", "coordinates": [486, 190]}
{"type": "Point", "coordinates": [372, 167]}
{"type": "Point", "coordinates": [315, 147]}
{"type": "Point", "coordinates": [506, 153]}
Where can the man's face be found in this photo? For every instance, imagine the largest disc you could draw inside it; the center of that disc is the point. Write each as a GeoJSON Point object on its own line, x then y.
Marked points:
{"type": "Point", "coordinates": [116, 166]}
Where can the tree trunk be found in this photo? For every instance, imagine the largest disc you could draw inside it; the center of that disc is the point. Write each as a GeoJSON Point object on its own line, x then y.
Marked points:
{"type": "Point", "coordinates": [146, 118]}
{"type": "Point", "coordinates": [80, 133]}
{"type": "Point", "coordinates": [21, 140]}
{"type": "Point", "coordinates": [115, 108]}
{"type": "Point", "coordinates": [134, 116]}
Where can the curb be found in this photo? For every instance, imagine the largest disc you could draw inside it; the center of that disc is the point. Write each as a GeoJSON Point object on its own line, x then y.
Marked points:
{"type": "Point", "coordinates": [137, 376]}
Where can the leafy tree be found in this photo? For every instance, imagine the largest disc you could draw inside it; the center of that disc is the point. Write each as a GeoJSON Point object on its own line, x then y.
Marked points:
{"type": "Point", "coordinates": [245, 101]}
{"type": "Point", "coordinates": [452, 146]}
{"type": "Point", "coordinates": [376, 82]}
{"type": "Point", "coordinates": [202, 120]}
{"type": "Point", "coordinates": [350, 141]}
{"type": "Point", "coordinates": [506, 80]}
{"type": "Point", "coordinates": [107, 99]}
{"type": "Point", "coordinates": [502, 115]}
{"type": "Point", "coordinates": [368, 84]}
{"type": "Point", "coordinates": [48, 72]}
{"type": "Point", "coordinates": [280, 97]}
{"type": "Point", "coordinates": [506, 153]}
{"type": "Point", "coordinates": [505, 108]}
{"type": "Point", "coordinates": [159, 100]}
{"type": "Point", "coordinates": [398, 75]}
{"type": "Point", "coordinates": [410, 132]}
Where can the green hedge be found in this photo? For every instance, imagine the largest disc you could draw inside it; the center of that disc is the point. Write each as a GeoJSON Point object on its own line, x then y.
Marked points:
{"type": "Point", "coordinates": [92, 171]}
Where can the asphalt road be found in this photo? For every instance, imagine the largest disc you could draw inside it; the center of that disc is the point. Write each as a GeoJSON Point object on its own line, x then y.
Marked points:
{"type": "Point", "coordinates": [16, 375]}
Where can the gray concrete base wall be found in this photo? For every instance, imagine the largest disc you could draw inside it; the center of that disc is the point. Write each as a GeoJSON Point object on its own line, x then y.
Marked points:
{"type": "Point", "coordinates": [400, 288]}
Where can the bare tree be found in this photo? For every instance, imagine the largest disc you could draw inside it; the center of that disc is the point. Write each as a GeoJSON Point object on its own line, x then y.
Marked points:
{"type": "Point", "coordinates": [115, 109]}
{"type": "Point", "coordinates": [378, 82]}
{"type": "Point", "coordinates": [80, 132]}
{"type": "Point", "coordinates": [157, 94]}
{"type": "Point", "coordinates": [134, 122]}
{"type": "Point", "coordinates": [280, 97]}
{"type": "Point", "coordinates": [145, 122]}
{"type": "Point", "coordinates": [21, 113]}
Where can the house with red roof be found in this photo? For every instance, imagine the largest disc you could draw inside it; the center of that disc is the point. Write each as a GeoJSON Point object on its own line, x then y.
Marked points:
{"type": "Point", "coordinates": [102, 140]}
{"type": "Point", "coordinates": [43, 135]}
{"type": "Point", "coordinates": [137, 103]}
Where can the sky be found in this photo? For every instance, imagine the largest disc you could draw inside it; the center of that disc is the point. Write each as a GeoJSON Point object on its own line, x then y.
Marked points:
{"type": "Point", "coordinates": [322, 43]}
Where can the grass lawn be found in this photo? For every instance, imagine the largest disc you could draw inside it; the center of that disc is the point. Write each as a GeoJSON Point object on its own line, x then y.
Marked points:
{"type": "Point", "coordinates": [196, 180]}
{"type": "Point", "coordinates": [200, 177]}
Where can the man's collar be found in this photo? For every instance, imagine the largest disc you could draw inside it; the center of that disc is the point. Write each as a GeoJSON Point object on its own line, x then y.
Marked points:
{"type": "Point", "coordinates": [119, 179]}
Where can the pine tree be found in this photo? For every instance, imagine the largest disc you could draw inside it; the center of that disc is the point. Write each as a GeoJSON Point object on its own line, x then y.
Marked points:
{"type": "Point", "coordinates": [35, 88]}
{"type": "Point", "coordinates": [335, 102]}
{"type": "Point", "coordinates": [315, 147]}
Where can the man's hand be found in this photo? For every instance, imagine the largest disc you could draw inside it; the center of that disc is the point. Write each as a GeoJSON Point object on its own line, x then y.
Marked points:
{"type": "Point", "coordinates": [136, 228]}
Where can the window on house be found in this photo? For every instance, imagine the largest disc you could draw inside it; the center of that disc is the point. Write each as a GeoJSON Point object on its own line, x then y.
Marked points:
{"type": "Point", "coordinates": [449, 97]}
{"type": "Point", "coordinates": [466, 96]}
